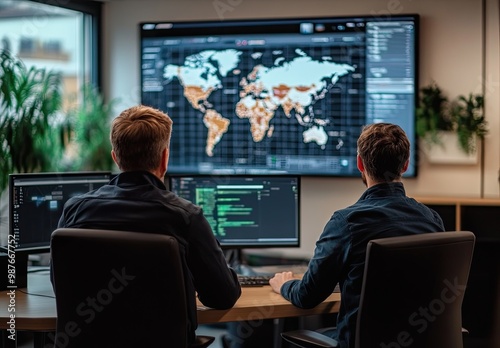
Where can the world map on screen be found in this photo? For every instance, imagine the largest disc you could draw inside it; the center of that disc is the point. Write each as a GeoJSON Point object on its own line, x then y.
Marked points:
{"type": "Point", "coordinates": [292, 85]}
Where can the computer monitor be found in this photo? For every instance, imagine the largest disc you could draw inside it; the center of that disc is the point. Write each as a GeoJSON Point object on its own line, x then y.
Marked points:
{"type": "Point", "coordinates": [36, 202]}
{"type": "Point", "coordinates": [246, 211]}
{"type": "Point", "coordinates": [280, 95]}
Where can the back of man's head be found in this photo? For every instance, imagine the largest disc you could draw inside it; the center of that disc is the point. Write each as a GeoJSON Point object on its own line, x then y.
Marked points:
{"type": "Point", "coordinates": [138, 136]}
{"type": "Point", "coordinates": [384, 149]}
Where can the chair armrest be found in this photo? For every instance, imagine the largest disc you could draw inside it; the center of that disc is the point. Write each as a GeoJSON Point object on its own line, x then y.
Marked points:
{"type": "Point", "coordinates": [309, 339]}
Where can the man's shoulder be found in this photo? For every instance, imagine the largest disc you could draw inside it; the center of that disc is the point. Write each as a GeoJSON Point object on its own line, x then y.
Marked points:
{"type": "Point", "coordinates": [181, 204]}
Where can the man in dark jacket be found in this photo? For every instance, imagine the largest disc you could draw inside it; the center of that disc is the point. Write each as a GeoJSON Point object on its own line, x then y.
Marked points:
{"type": "Point", "coordinates": [137, 200]}
{"type": "Point", "coordinates": [383, 210]}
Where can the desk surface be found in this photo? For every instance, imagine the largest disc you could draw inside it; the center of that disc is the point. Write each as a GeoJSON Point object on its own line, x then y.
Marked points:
{"type": "Point", "coordinates": [35, 307]}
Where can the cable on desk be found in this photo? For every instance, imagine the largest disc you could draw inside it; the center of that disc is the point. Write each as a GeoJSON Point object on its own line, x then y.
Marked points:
{"type": "Point", "coordinates": [33, 294]}
{"type": "Point", "coordinates": [41, 269]}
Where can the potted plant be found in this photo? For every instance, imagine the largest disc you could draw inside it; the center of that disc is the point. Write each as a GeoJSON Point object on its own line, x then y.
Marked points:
{"type": "Point", "coordinates": [432, 115]}
{"type": "Point", "coordinates": [34, 130]}
{"type": "Point", "coordinates": [31, 136]}
{"type": "Point", "coordinates": [448, 131]}
{"type": "Point", "coordinates": [469, 121]}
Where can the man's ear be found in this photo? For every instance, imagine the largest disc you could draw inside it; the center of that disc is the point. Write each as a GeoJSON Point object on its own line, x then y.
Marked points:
{"type": "Point", "coordinates": [113, 155]}
{"type": "Point", "coordinates": [359, 162]}
{"type": "Point", "coordinates": [405, 167]}
{"type": "Point", "coordinates": [166, 156]}
{"type": "Point", "coordinates": [164, 161]}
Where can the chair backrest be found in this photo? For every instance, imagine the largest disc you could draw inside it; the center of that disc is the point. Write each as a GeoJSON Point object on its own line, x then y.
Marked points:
{"type": "Point", "coordinates": [118, 289]}
{"type": "Point", "coordinates": [413, 288]}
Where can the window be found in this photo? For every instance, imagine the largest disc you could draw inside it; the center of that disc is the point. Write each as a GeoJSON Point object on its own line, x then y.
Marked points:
{"type": "Point", "coordinates": [59, 35]}
{"type": "Point", "coordinates": [56, 35]}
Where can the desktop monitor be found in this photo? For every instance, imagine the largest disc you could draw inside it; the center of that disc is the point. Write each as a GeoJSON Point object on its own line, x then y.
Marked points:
{"type": "Point", "coordinates": [279, 96]}
{"type": "Point", "coordinates": [36, 201]}
{"type": "Point", "coordinates": [246, 211]}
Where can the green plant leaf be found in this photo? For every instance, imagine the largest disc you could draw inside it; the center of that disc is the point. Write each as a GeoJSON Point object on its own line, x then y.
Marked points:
{"type": "Point", "coordinates": [30, 100]}
{"type": "Point", "coordinates": [469, 120]}
{"type": "Point", "coordinates": [90, 126]}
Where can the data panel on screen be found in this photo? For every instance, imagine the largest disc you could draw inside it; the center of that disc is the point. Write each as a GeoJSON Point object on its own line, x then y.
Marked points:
{"type": "Point", "coordinates": [284, 96]}
{"type": "Point", "coordinates": [246, 211]}
{"type": "Point", "coordinates": [36, 202]}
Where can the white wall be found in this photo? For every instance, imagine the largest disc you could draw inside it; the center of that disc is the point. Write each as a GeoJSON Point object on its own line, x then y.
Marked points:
{"type": "Point", "coordinates": [451, 53]}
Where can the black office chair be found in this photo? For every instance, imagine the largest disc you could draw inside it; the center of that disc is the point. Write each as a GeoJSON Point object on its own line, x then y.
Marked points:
{"type": "Point", "coordinates": [412, 293]}
{"type": "Point", "coordinates": [119, 289]}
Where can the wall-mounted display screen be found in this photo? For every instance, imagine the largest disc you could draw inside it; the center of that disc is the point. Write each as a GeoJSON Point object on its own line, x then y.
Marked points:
{"type": "Point", "coordinates": [279, 96]}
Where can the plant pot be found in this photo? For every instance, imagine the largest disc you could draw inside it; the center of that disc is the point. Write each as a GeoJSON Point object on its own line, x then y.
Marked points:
{"type": "Point", "coordinates": [448, 151]}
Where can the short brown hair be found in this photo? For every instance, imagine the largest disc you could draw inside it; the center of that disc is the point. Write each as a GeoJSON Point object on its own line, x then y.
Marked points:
{"type": "Point", "coordinates": [384, 149]}
{"type": "Point", "coordinates": [138, 137]}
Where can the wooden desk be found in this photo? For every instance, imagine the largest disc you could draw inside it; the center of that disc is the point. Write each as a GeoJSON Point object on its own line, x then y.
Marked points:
{"type": "Point", "coordinates": [38, 313]}
{"type": "Point", "coordinates": [258, 303]}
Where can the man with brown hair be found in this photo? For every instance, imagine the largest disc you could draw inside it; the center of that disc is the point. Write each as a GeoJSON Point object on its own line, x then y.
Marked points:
{"type": "Point", "coordinates": [137, 200]}
{"type": "Point", "coordinates": [383, 210]}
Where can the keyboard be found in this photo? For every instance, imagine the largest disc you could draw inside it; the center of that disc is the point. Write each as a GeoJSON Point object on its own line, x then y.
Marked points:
{"type": "Point", "coordinates": [254, 280]}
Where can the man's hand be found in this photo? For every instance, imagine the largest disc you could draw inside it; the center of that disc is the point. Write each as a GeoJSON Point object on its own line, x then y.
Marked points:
{"type": "Point", "coordinates": [279, 279]}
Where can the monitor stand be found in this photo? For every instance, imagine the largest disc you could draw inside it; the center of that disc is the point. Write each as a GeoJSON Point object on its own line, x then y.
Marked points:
{"type": "Point", "coordinates": [235, 260]}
